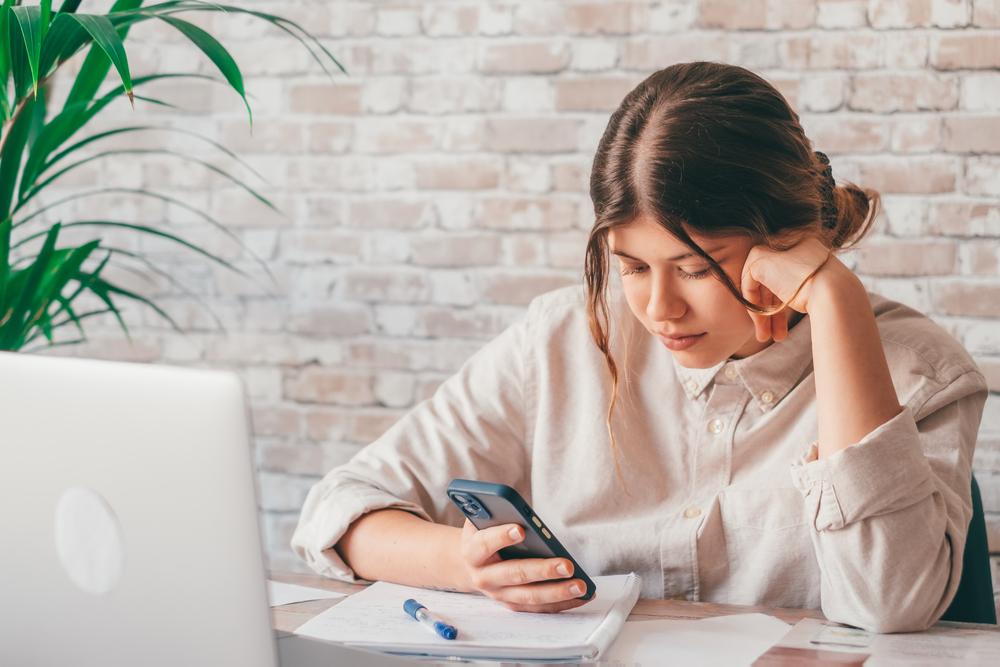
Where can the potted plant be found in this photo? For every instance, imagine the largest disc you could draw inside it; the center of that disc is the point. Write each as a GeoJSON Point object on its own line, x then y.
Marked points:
{"type": "Point", "coordinates": [42, 282]}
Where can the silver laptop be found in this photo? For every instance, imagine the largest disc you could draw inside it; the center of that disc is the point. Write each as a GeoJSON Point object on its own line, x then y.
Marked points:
{"type": "Point", "coordinates": [128, 521]}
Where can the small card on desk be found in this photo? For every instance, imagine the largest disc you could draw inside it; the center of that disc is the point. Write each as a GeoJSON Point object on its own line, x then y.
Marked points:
{"type": "Point", "coordinates": [374, 619]}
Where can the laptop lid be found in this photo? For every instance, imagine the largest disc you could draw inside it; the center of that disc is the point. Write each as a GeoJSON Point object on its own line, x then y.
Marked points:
{"type": "Point", "coordinates": [128, 517]}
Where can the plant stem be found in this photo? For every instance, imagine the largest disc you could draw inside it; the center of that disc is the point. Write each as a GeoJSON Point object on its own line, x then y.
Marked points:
{"type": "Point", "coordinates": [10, 123]}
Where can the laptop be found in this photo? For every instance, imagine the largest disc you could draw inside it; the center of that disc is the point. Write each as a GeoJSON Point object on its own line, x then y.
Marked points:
{"type": "Point", "coordinates": [129, 522]}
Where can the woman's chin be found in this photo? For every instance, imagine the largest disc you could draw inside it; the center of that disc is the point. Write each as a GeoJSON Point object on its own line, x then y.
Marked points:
{"type": "Point", "coordinates": [699, 359]}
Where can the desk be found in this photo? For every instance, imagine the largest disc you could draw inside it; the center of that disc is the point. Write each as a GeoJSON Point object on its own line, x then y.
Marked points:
{"type": "Point", "coordinates": [289, 617]}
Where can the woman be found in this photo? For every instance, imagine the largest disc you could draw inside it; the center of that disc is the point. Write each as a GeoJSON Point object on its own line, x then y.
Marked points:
{"type": "Point", "coordinates": [738, 421]}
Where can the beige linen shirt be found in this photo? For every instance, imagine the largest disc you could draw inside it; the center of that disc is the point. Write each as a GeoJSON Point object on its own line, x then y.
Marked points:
{"type": "Point", "coordinates": [721, 497]}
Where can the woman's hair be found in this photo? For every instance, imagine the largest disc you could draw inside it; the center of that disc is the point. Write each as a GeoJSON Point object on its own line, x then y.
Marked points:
{"type": "Point", "coordinates": [716, 149]}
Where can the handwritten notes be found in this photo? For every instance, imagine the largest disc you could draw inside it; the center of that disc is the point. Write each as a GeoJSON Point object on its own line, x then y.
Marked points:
{"type": "Point", "coordinates": [374, 618]}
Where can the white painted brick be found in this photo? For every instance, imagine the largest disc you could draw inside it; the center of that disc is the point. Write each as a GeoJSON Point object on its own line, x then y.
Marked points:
{"type": "Point", "coordinates": [453, 287]}
{"type": "Point", "coordinates": [841, 14]}
{"type": "Point", "coordinates": [394, 390]}
{"type": "Point", "coordinates": [528, 94]}
{"type": "Point", "coordinates": [669, 16]}
{"type": "Point", "coordinates": [980, 91]}
{"type": "Point", "coordinates": [526, 174]}
{"type": "Point", "coordinates": [427, 195]}
{"type": "Point", "coordinates": [593, 55]}
{"type": "Point", "coordinates": [283, 493]}
{"type": "Point", "coordinates": [495, 19]}
{"type": "Point", "coordinates": [397, 21]}
{"type": "Point", "coordinates": [384, 94]}
{"type": "Point", "coordinates": [395, 319]}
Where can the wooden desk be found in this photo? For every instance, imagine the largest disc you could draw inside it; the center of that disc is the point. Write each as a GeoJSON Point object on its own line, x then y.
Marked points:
{"type": "Point", "coordinates": [289, 617]}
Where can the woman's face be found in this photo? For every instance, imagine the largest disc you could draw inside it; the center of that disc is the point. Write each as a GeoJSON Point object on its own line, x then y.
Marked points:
{"type": "Point", "coordinates": [675, 295]}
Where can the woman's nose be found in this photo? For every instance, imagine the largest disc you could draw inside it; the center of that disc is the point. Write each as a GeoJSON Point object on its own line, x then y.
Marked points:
{"type": "Point", "coordinates": [664, 303]}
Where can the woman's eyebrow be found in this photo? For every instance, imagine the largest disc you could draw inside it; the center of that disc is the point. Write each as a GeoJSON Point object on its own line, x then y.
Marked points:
{"type": "Point", "coordinates": [710, 251]}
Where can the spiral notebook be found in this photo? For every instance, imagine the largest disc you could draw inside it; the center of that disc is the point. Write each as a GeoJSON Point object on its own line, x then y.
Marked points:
{"type": "Point", "coordinates": [374, 619]}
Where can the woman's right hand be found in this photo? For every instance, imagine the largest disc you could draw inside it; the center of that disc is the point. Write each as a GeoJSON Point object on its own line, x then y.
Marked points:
{"type": "Point", "coordinates": [522, 584]}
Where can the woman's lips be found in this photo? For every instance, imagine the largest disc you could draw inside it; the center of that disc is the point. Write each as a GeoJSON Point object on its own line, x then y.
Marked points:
{"type": "Point", "coordinates": [678, 343]}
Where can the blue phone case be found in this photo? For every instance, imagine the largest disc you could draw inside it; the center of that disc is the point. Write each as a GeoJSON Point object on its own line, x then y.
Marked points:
{"type": "Point", "coordinates": [487, 504]}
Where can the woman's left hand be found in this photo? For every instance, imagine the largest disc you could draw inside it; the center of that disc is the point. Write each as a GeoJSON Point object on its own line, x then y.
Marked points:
{"type": "Point", "coordinates": [772, 277]}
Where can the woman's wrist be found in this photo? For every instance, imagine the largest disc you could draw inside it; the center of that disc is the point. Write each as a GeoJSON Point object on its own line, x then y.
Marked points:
{"type": "Point", "coordinates": [834, 285]}
{"type": "Point", "coordinates": [452, 561]}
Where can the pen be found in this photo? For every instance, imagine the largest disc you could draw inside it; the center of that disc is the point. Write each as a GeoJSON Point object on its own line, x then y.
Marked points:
{"type": "Point", "coordinates": [421, 614]}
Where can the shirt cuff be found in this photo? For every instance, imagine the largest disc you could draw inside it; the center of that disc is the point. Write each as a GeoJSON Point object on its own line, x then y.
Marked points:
{"type": "Point", "coordinates": [882, 473]}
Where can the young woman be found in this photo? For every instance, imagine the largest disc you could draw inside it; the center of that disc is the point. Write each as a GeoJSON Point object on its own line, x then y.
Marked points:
{"type": "Point", "coordinates": [737, 421]}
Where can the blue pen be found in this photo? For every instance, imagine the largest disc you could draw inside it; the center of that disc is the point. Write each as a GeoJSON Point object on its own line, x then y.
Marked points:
{"type": "Point", "coordinates": [421, 614]}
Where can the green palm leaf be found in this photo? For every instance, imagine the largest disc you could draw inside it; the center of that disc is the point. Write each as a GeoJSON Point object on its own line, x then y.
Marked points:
{"type": "Point", "coordinates": [11, 151]}
{"type": "Point", "coordinates": [26, 23]}
{"type": "Point", "coordinates": [12, 322]}
{"type": "Point", "coordinates": [145, 229]}
{"type": "Point", "coordinates": [5, 105]}
{"type": "Point", "coordinates": [142, 192]}
{"type": "Point", "coordinates": [216, 53]}
{"type": "Point", "coordinates": [71, 120]}
{"type": "Point", "coordinates": [44, 17]}
{"type": "Point", "coordinates": [144, 151]}
{"type": "Point", "coordinates": [5, 230]}
{"type": "Point", "coordinates": [169, 277]}
{"type": "Point", "coordinates": [107, 38]}
{"type": "Point", "coordinates": [96, 65]}
{"type": "Point", "coordinates": [151, 128]}
{"type": "Point", "coordinates": [39, 292]}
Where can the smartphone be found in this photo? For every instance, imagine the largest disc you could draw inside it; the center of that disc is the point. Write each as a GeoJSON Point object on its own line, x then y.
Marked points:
{"type": "Point", "coordinates": [486, 505]}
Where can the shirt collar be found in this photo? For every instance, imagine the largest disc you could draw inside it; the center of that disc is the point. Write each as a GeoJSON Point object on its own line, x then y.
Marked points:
{"type": "Point", "coordinates": [768, 375]}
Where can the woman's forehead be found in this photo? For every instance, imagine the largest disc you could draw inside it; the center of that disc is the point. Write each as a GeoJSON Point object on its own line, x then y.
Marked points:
{"type": "Point", "coordinates": [648, 238]}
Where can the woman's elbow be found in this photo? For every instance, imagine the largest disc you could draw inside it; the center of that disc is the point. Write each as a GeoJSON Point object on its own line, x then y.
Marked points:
{"type": "Point", "coordinates": [913, 609]}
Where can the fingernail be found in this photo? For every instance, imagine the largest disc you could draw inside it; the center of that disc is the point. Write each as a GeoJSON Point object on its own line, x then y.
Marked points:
{"type": "Point", "coordinates": [562, 569]}
{"type": "Point", "coordinates": [514, 533]}
{"type": "Point", "coordinates": [576, 589]}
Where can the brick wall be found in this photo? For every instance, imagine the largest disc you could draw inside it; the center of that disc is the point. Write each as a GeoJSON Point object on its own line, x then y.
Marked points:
{"type": "Point", "coordinates": [427, 197]}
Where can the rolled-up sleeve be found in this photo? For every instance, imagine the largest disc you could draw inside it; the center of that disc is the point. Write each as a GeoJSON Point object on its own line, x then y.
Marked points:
{"type": "Point", "coordinates": [473, 427]}
{"type": "Point", "coordinates": [890, 513]}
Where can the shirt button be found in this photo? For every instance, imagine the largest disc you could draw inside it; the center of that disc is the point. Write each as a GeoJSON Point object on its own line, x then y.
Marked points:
{"type": "Point", "coordinates": [691, 512]}
{"type": "Point", "coordinates": [766, 397]}
{"type": "Point", "coordinates": [731, 372]}
{"type": "Point", "coordinates": [691, 386]}
{"type": "Point", "coordinates": [715, 426]}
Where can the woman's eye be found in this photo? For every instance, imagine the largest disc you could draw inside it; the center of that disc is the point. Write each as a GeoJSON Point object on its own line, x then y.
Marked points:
{"type": "Point", "coordinates": [629, 270]}
{"type": "Point", "coordinates": [695, 275]}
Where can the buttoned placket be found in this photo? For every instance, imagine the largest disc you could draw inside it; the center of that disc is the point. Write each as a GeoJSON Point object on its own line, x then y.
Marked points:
{"type": "Point", "coordinates": [711, 463]}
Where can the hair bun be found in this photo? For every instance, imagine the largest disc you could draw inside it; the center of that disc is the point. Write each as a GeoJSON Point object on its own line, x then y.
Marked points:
{"type": "Point", "coordinates": [828, 212]}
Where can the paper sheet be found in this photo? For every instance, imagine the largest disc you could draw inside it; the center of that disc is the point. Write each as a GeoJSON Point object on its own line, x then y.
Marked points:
{"type": "Point", "coordinates": [722, 640]}
{"type": "Point", "coordinates": [937, 646]}
{"type": "Point", "coordinates": [280, 593]}
{"type": "Point", "coordinates": [375, 617]}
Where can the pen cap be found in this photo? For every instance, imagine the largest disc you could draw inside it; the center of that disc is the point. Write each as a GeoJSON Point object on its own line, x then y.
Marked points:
{"type": "Point", "coordinates": [445, 630]}
{"type": "Point", "coordinates": [411, 607]}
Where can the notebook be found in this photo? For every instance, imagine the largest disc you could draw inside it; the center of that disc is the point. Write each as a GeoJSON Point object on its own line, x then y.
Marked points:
{"type": "Point", "coordinates": [374, 619]}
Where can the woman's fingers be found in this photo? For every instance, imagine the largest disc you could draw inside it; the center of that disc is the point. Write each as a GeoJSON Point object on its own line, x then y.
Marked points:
{"type": "Point", "coordinates": [480, 546]}
{"type": "Point", "coordinates": [521, 571]}
{"type": "Point", "coordinates": [752, 292]}
{"type": "Point", "coordinates": [545, 608]}
{"type": "Point", "coordinates": [779, 324]}
{"type": "Point", "coordinates": [522, 584]}
{"type": "Point", "coordinates": [769, 303]}
{"type": "Point", "coordinates": [538, 594]}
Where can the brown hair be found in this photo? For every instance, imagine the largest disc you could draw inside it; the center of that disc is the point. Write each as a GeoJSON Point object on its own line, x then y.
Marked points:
{"type": "Point", "coordinates": [716, 149]}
